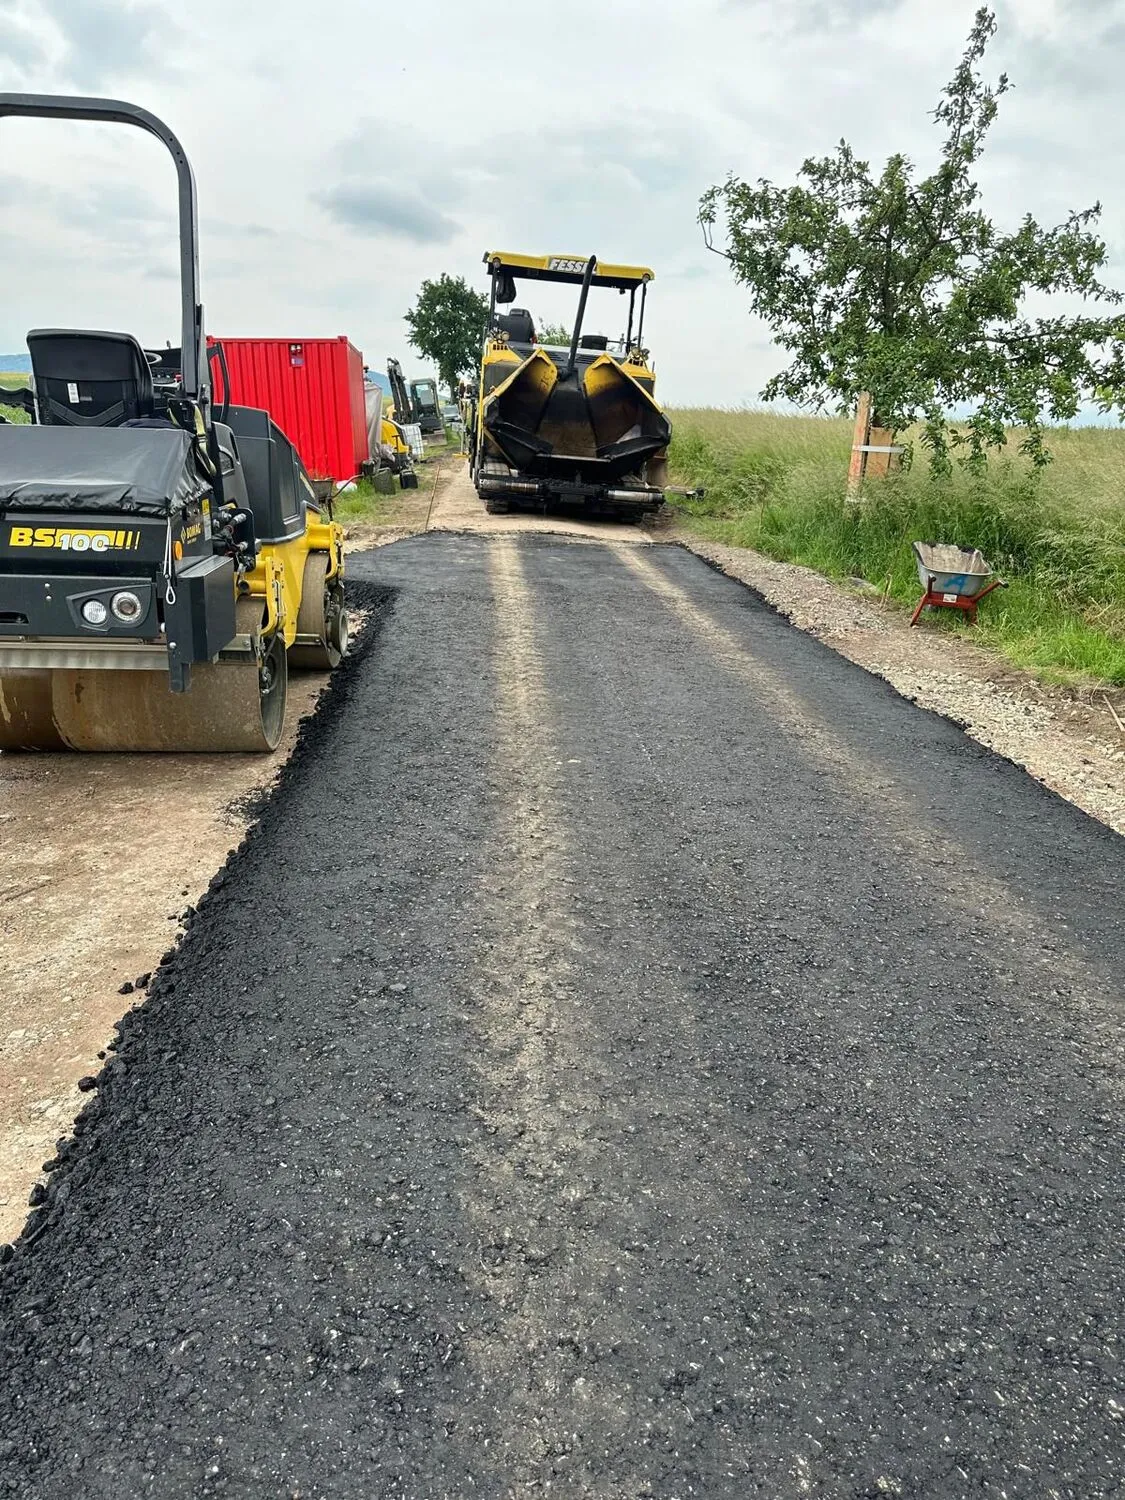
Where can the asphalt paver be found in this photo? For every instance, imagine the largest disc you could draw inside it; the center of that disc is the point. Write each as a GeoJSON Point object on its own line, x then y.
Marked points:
{"type": "Point", "coordinates": [635, 1054]}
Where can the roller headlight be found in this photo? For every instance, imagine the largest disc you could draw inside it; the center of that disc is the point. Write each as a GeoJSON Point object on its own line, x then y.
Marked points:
{"type": "Point", "coordinates": [127, 607]}
{"type": "Point", "coordinates": [94, 612]}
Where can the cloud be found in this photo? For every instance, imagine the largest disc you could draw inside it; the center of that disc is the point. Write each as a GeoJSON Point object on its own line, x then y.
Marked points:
{"type": "Point", "coordinates": [440, 170]}
{"type": "Point", "coordinates": [802, 16]}
{"type": "Point", "coordinates": [412, 171]}
{"type": "Point", "coordinates": [19, 44]}
{"type": "Point", "coordinates": [20, 192]}
{"type": "Point", "coordinates": [558, 163]}
{"type": "Point", "coordinates": [382, 208]}
{"type": "Point", "coordinates": [656, 153]}
{"type": "Point", "coordinates": [93, 206]}
{"type": "Point", "coordinates": [120, 203]}
{"type": "Point", "coordinates": [1075, 47]}
{"type": "Point", "coordinates": [108, 229]}
{"type": "Point", "coordinates": [104, 40]}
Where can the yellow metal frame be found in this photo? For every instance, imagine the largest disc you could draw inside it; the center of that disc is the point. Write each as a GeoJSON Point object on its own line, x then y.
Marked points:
{"type": "Point", "coordinates": [278, 575]}
{"type": "Point", "coordinates": [570, 269]}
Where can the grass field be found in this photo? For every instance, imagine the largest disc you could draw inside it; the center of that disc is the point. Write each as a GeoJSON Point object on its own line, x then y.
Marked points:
{"type": "Point", "coordinates": [364, 503]}
{"type": "Point", "coordinates": [776, 483]}
{"type": "Point", "coordinates": [12, 381]}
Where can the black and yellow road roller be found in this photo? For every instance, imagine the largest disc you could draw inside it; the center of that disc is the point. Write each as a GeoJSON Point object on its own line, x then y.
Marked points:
{"type": "Point", "coordinates": [162, 563]}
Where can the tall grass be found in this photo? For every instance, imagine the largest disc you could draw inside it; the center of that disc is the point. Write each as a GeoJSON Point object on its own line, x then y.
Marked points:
{"type": "Point", "coordinates": [776, 483]}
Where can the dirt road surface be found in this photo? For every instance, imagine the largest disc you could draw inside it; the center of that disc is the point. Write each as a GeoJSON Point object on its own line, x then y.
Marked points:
{"type": "Point", "coordinates": [101, 854]}
{"type": "Point", "coordinates": [636, 1054]}
{"type": "Point", "coordinates": [458, 507]}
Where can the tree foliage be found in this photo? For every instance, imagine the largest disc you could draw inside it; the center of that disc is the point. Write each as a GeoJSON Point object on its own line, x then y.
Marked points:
{"type": "Point", "coordinates": [903, 286]}
{"type": "Point", "coordinates": [554, 333]}
{"type": "Point", "coordinates": [447, 326]}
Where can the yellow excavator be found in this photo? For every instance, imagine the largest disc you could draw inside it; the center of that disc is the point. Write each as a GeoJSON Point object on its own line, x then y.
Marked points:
{"type": "Point", "coordinates": [567, 426]}
{"type": "Point", "coordinates": [162, 564]}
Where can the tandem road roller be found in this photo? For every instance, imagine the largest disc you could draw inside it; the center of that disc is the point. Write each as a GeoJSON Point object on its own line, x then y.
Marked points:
{"type": "Point", "coordinates": [574, 426]}
{"type": "Point", "coordinates": [161, 564]}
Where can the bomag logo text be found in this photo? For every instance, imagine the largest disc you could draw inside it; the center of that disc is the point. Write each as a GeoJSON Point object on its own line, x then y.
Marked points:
{"type": "Point", "coordinates": [74, 538]}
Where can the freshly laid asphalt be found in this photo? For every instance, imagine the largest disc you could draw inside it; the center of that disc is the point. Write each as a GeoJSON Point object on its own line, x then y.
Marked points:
{"type": "Point", "coordinates": [636, 1054]}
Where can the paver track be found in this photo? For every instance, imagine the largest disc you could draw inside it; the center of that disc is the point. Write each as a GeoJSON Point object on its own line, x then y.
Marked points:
{"type": "Point", "coordinates": [637, 1055]}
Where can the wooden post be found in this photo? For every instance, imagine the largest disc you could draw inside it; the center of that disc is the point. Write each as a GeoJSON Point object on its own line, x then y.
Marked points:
{"type": "Point", "coordinates": [858, 465]}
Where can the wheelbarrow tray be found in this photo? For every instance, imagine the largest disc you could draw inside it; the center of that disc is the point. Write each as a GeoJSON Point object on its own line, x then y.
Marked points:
{"type": "Point", "coordinates": [945, 569]}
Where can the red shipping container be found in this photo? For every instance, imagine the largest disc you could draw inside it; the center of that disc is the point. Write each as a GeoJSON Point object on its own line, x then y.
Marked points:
{"type": "Point", "coordinates": [313, 390]}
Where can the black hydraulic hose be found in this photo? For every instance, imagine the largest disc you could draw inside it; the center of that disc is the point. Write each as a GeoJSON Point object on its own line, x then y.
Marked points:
{"type": "Point", "coordinates": [220, 354]}
{"type": "Point", "coordinates": [591, 267]}
{"type": "Point", "coordinates": [641, 324]}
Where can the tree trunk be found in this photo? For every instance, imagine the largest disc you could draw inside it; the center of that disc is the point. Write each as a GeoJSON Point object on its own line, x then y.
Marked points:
{"type": "Point", "coordinates": [875, 454]}
{"type": "Point", "coordinates": [879, 465]}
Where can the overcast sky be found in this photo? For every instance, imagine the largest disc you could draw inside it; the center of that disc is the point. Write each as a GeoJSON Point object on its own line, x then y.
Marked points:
{"type": "Point", "coordinates": [340, 158]}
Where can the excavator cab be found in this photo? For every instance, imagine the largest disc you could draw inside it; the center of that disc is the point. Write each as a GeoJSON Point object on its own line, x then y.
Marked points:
{"type": "Point", "coordinates": [427, 405]}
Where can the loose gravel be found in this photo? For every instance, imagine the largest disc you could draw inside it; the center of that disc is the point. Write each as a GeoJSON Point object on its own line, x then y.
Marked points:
{"type": "Point", "coordinates": [635, 1054]}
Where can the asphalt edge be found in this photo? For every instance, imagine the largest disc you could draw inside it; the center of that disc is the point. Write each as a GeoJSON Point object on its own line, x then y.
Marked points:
{"type": "Point", "coordinates": [985, 752]}
{"type": "Point", "coordinates": [46, 1204]}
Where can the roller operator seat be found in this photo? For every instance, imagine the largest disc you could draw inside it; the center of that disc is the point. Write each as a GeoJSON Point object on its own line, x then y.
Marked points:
{"type": "Point", "coordinates": [85, 378]}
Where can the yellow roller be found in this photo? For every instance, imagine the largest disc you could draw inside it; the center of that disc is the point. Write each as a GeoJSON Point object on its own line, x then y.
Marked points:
{"type": "Point", "coordinates": [152, 535]}
{"type": "Point", "coordinates": [236, 705]}
{"type": "Point", "coordinates": [26, 718]}
{"type": "Point", "coordinates": [322, 615]}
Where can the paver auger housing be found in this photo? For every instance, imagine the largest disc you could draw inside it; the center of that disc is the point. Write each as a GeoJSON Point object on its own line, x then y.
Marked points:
{"type": "Point", "coordinates": [161, 564]}
{"type": "Point", "coordinates": [575, 426]}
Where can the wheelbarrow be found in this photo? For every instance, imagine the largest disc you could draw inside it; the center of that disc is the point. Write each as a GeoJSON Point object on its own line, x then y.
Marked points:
{"type": "Point", "coordinates": [953, 578]}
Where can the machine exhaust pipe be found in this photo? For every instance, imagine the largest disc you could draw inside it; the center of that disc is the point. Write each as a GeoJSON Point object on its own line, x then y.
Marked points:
{"type": "Point", "coordinates": [591, 267]}
{"type": "Point", "coordinates": [625, 496]}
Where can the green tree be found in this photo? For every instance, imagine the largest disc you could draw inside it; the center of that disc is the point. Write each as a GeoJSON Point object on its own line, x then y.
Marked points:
{"type": "Point", "coordinates": [554, 333]}
{"type": "Point", "coordinates": [902, 286]}
{"type": "Point", "coordinates": [447, 326]}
